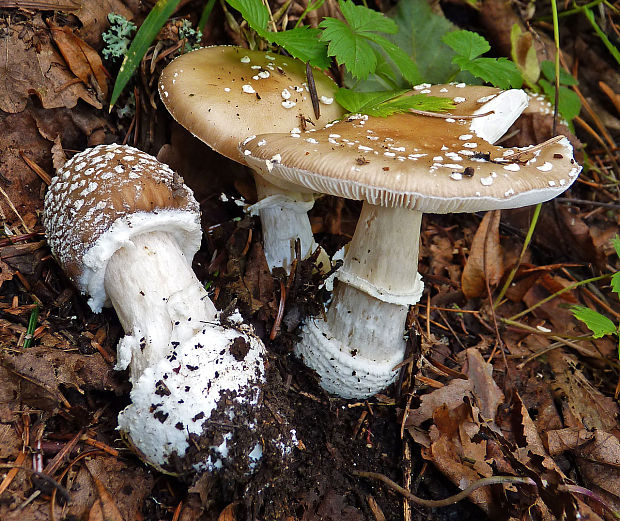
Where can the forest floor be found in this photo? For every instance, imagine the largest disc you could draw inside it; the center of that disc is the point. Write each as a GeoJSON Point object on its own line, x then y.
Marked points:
{"type": "Point", "coordinates": [518, 387]}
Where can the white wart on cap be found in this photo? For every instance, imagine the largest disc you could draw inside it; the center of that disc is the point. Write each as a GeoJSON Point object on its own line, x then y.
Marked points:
{"type": "Point", "coordinates": [400, 167]}
{"type": "Point", "coordinates": [225, 94]}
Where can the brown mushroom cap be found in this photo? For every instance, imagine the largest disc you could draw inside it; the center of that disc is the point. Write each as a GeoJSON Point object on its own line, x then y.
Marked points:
{"type": "Point", "coordinates": [423, 163]}
{"type": "Point", "coordinates": [224, 94]}
{"type": "Point", "coordinates": [114, 188]}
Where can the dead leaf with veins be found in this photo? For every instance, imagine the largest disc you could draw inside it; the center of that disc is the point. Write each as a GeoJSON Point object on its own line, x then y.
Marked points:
{"type": "Point", "coordinates": [485, 262]}
{"type": "Point", "coordinates": [47, 77]}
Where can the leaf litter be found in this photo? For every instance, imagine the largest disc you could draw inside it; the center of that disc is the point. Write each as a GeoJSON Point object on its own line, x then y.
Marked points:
{"type": "Point", "coordinates": [543, 409]}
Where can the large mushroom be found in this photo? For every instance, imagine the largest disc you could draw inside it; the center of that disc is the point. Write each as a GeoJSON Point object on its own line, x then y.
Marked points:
{"type": "Point", "coordinates": [401, 167]}
{"type": "Point", "coordinates": [125, 228]}
{"type": "Point", "coordinates": [225, 94]}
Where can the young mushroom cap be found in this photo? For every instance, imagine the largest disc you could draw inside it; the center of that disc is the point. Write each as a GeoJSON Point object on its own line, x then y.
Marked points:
{"type": "Point", "coordinates": [223, 95]}
{"type": "Point", "coordinates": [125, 228]}
{"type": "Point", "coordinates": [101, 198]}
{"type": "Point", "coordinates": [400, 167]}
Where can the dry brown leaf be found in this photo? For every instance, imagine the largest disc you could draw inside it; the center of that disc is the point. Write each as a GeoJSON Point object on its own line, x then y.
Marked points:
{"type": "Point", "coordinates": [104, 508]}
{"type": "Point", "coordinates": [583, 406]}
{"type": "Point", "coordinates": [228, 514]}
{"type": "Point", "coordinates": [47, 77]}
{"type": "Point", "coordinates": [599, 465]}
{"type": "Point", "coordinates": [448, 453]}
{"type": "Point", "coordinates": [81, 58]}
{"type": "Point", "coordinates": [42, 370]}
{"type": "Point", "coordinates": [485, 260]}
{"type": "Point", "coordinates": [561, 440]}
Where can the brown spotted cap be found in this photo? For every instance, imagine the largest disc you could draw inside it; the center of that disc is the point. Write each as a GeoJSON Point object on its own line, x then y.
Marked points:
{"type": "Point", "coordinates": [224, 94]}
{"type": "Point", "coordinates": [105, 195]}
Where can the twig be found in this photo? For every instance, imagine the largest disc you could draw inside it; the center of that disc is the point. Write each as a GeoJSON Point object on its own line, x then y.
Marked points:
{"type": "Point", "coordinates": [437, 503]}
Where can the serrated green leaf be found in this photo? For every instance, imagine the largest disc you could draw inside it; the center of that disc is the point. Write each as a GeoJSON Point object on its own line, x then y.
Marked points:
{"type": "Point", "coordinates": [599, 324]}
{"type": "Point", "coordinates": [356, 102]}
{"type": "Point", "coordinates": [350, 42]}
{"type": "Point", "coordinates": [386, 103]}
{"type": "Point", "coordinates": [569, 103]}
{"type": "Point", "coordinates": [405, 64]}
{"type": "Point", "coordinates": [152, 24]}
{"type": "Point", "coordinates": [500, 72]}
{"type": "Point", "coordinates": [548, 70]}
{"type": "Point", "coordinates": [349, 48]}
{"type": "Point", "coordinates": [466, 43]}
{"type": "Point", "coordinates": [615, 283]}
{"type": "Point", "coordinates": [364, 20]}
{"type": "Point", "coordinates": [303, 43]}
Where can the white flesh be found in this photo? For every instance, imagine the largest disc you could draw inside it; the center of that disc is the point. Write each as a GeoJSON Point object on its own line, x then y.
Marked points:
{"type": "Point", "coordinates": [355, 350]}
{"type": "Point", "coordinates": [152, 287]}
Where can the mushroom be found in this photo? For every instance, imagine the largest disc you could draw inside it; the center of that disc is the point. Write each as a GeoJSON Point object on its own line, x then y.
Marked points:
{"type": "Point", "coordinates": [225, 94]}
{"type": "Point", "coordinates": [124, 228]}
{"type": "Point", "coordinates": [400, 167]}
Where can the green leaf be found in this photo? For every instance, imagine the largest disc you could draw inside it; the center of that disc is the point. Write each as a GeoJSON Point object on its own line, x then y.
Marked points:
{"type": "Point", "coordinates": [363, 20]}
{"type": "Point", "coordinates": [615, 283]}
{"type": "Point", "coordinates": [500, 72]}
{"type": "Point", "coordinates": [350, 42]}
{"type": "Point", "coordinates": [548, 70]}
{"type": "Point", "coordinates": [386, 103]}
{"type": "Point", "coordinates": [152, 24]}
{"type": "Point", "coordinates": [599, 324]}
{"type": "Point", "coordinates": [405, 64]}
{"type": "Point", "coordinates": [349, 48]}
{"type": "Point", "coordinates": [303, 43]}
{"type": "Point", "coordinates": [466, 43]}
{"type": "Point", "coordinates": [569, 103]}
{"type": "Point", "coordinates": [253, 12]}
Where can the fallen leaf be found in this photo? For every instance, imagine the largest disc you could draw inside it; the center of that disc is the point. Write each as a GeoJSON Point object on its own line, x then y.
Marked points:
{"type": "Point", "coordinates": [583, 406]}
{"type": "Point", "coordinates": [104, 508]}
{"type": "Point", "coordinates": [485, 262]}
{"type": "Point", "coordinates": [48, 77]}
{"type": "Point", "coordinates": [81, 58]}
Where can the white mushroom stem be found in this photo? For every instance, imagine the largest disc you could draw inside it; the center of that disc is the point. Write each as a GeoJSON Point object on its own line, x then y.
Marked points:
{"type": "Point", "coordinates": [157, 297]}
{"type": "Point", "coordinates": [356, 349]}
{"type": "Point", "coordinates": [284, 218]}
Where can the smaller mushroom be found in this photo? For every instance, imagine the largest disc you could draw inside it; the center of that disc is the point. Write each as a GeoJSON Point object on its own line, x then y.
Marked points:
{"type": "Point", "coordinates": [410, 164]}
{"type": "Point", "coordinates": [225, 94]}
{"type": "Point", "coordinates": [124, 227]}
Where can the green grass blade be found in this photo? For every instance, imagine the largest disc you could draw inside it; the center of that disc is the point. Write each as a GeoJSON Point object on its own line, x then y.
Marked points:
{"type": "Point", "coordinates": [610, 46]}
{"type": "Point", "coordinates": [206, 12]}
{"type": "Point", "coordinates": [155, 20]}
{"type": "Point", "coordinates": [32, 325]}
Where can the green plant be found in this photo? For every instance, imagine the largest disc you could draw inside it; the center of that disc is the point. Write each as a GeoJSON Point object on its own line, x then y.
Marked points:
{"type": "Point", "coordinates": [117, 37]}
{"type": "Point", "coordinates": [569, 104]}
{"type": "Point", "coordinates": [366, 44]}
{"type": "Point", "coordinates": [469, 48]}
{"type": "Point", "coordinates": [599, 324]}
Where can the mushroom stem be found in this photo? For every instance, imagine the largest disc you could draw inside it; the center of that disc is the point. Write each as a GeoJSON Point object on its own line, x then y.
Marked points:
{"type": "Point", "coordinates": [157, 297]}
{"type": "Point", "coordinates": [284, 219]}
{"type": "Point", "coordinates": [382, 259]}
{"type": "Point", "coordinates": [355, 350]}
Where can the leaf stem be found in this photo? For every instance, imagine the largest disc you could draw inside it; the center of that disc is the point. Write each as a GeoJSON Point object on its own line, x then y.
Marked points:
{"type": "Point", "coordinates": [558, 293]}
